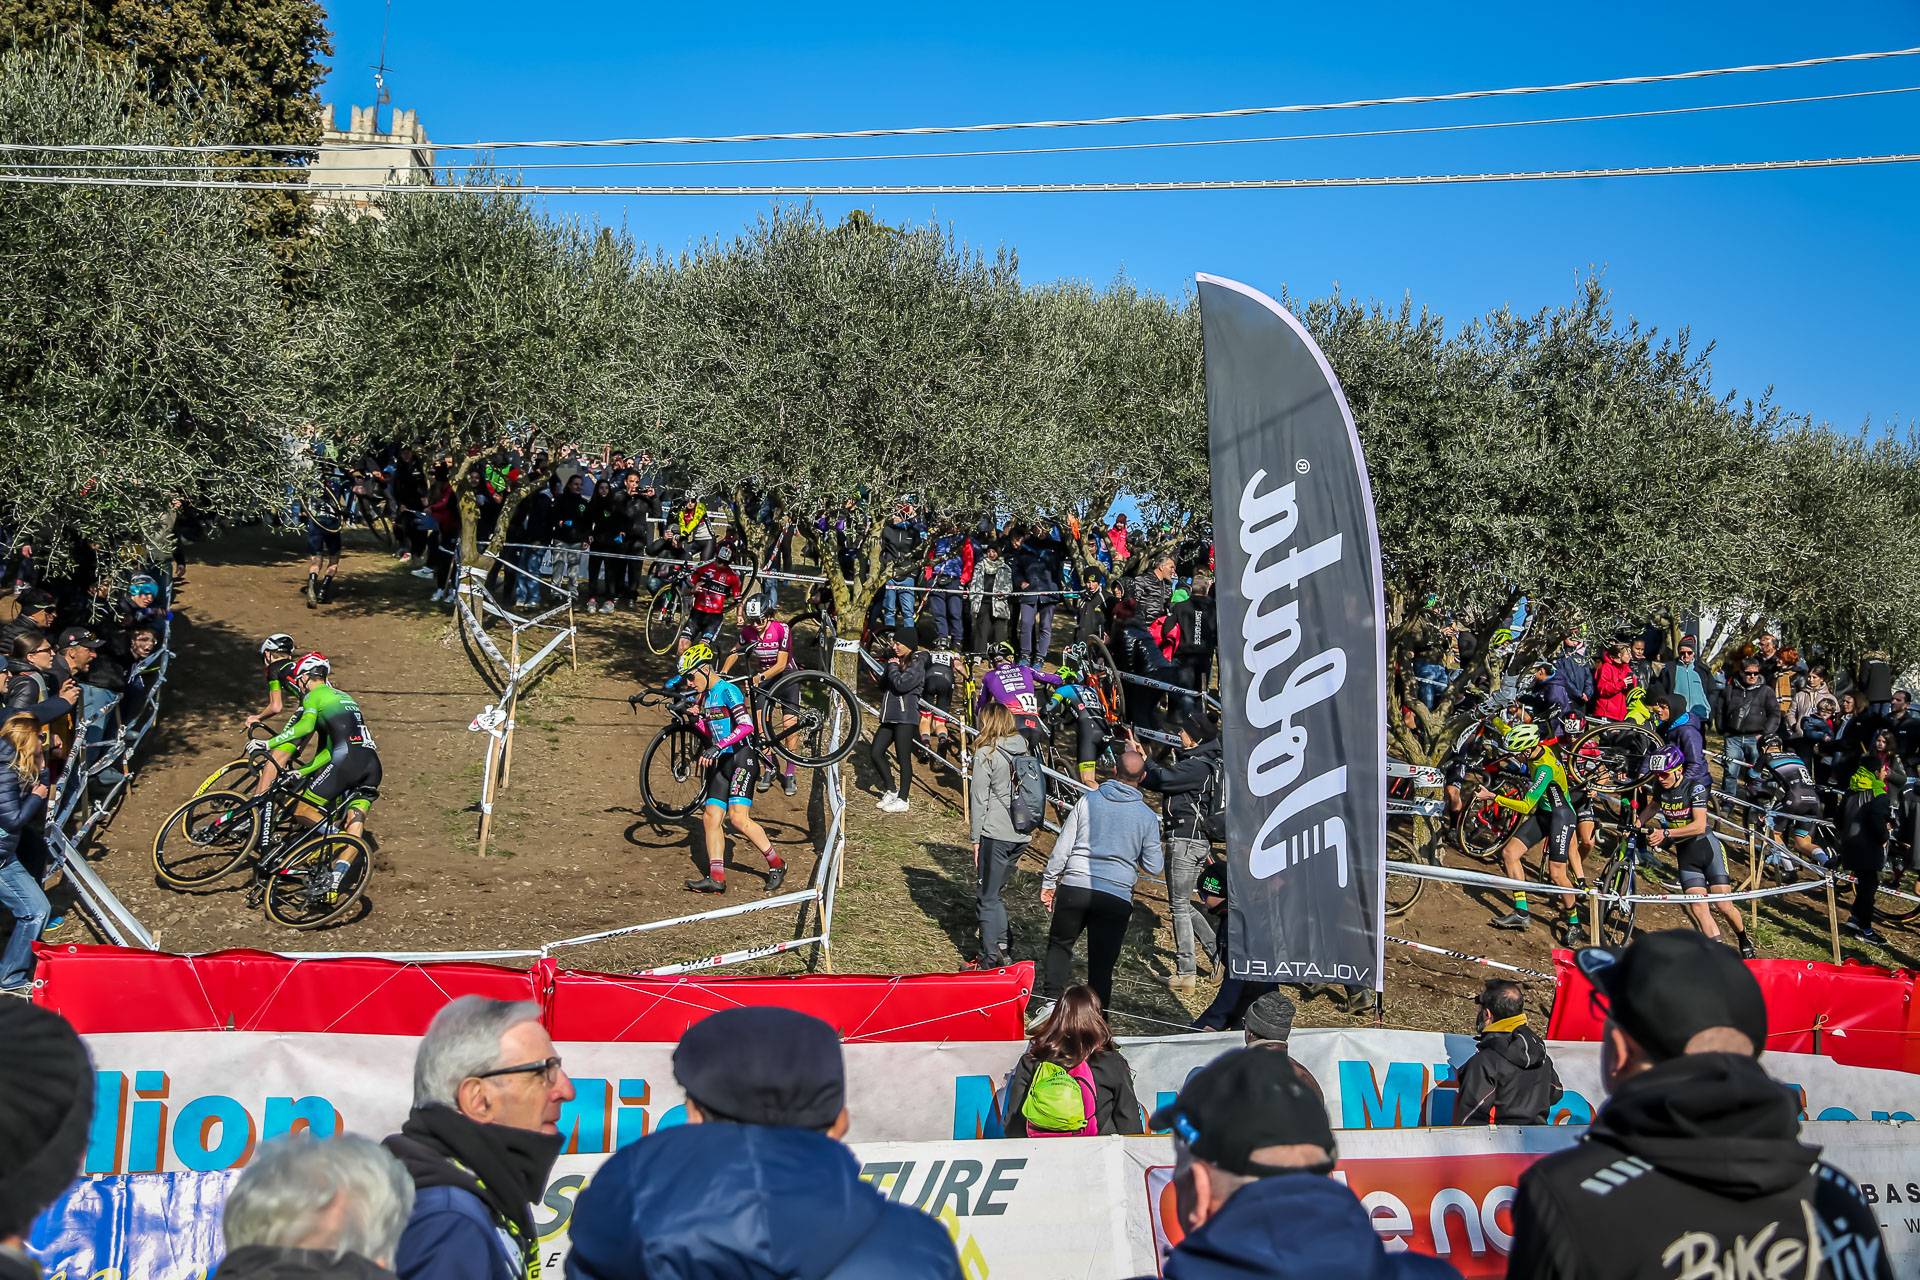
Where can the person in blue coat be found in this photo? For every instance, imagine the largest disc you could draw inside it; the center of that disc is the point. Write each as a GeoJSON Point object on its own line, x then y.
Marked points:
{"type": "Point", "coordinates": [756, 1185]}
{"type": "Point", "coordinates": [1252, 1150]}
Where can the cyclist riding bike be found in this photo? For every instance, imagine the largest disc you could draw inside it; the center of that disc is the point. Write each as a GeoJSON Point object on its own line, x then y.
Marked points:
{"type": "Point", "coordinates": [1675, 816]}
{"type": "Point", "coordinates": [731, 760]}
{"type": "Point", "coordinates": [1089, 714]}
{"type": "Point", "coordinates": [347, 758]}
{"type": "Point", "coordinates": [1550, 821]}
{"type": "Point", "coordinates": [769, 642]}
{"type": "Point", "coordinates": [713, 586]}
{"type": "Point", "coordinates": [1796, 796]}
{"type": "Point", "coordinates": [1015, 686]}
{"type": "Point", "coordinates": [276, 652]}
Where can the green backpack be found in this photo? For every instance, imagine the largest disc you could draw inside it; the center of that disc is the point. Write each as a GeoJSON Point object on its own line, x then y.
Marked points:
{"type": "Point", "coordinates": [1059, 1102]}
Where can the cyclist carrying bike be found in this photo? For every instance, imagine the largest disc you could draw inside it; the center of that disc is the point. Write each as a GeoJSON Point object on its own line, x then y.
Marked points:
{"type": "Point", "coordinates": [325, 514]}
{"type": "Point", "coordinates": [769, 642]}
{"type": "Point", "coordinates": [347, 759]}
{"type": "Point", "coordinates": [1797, 796]}
{"type": "Point", "coordinates": [1082, 701]}
{"type": "Point", "coordinates": [1676, 816]}
{"type": "Point", "coordinates": [713, 587]}
{"type": "Point", "coordinates": [1550, 821]}
{"type": "Point", "coordinates": [731, 761]}
{"type": "Point", "coordinates": [939, 691]}
{"type": "Point", "coordinates": [276, 651]}
{"type": "Point", "coordinates": [1015, 686]}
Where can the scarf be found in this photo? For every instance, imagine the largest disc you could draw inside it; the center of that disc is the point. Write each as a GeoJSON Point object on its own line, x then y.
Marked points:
{"type": "Point", "coordinates": [1864, 781]}
{"type": "Point", "coordinates": [505, 1167]}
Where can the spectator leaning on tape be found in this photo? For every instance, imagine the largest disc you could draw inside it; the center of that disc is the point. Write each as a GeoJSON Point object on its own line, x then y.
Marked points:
{"type": "Point", "coordinates": [480, 1142]}
{"type": "Point", "coordinates": [1252, 1150]}
{"type": "Point", "coordinates": [1694, 1167]}
{"type": "Point", "coordinates": [1510, 1079]}
{"type": "Point", "coordinates": [756, 1184]}
{"type": "Point", "coordinates": [46, 1106]}
{"type": "Point", "coordinates": [312, 1208]}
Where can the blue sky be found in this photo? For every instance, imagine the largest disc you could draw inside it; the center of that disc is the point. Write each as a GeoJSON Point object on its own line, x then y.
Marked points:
{"type": "Point", "coordinates": [1808, 282]}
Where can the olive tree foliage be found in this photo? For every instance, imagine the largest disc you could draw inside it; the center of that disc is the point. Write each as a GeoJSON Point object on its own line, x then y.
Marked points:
{"type": "Point", "coordinates": [466, 319]}
{"type": "Point", "coordinates": [146, 352]}
{"type": "Point", "coordinates": [1119, 407]}
{"type": "Point", "coordinates": [844, 368]}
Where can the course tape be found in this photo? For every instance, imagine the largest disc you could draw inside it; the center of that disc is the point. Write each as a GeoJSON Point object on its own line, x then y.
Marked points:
{"type": "Point", "coordinates": [1461, 955]}
{"type": "Point", "coordinates": [1455, 875]}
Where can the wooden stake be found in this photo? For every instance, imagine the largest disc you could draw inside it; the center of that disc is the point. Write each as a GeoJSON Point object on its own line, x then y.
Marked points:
{"type": "Point", "coordinates": [573, 630]}
{"type": "Point", "coordinates": [1833, 921]}
{"type": "Point", "coordinates": [486, 794]}
{"type": "Point", "coordinates": [1753, 861]}
{"type": "Point", "coordinates": [513, 698]}
{"type": "Point", "coordinates": [1593, 916]}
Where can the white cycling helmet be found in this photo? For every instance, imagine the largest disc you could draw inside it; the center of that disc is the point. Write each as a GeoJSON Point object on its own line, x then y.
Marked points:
{"type": "Point", "coordinates": [313, 665]}
{"type": "Point", "coordinates": [278, 642]}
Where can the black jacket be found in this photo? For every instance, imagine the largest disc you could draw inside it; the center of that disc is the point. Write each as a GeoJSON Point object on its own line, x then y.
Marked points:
{"type": "Point", "coordinates": [1150, 597]}
{"type": "Point", "coordinates": [34, 693]}
{"type": "Point", "coordinates": [1511, 1080]}
{"type": "Point", "coordinates": [1748, 709]}
{"type": "Point", "coordinates": [1697, 1160]}
{"type": "Point", "coordinates": [898, 542]}
{"type": "Point", "coordinates": [1114, 1105]}
{"type": "Point", "coordinates": [569, 519]}
{"type": "Point", "coordinates": [1876, 679]}
{"type": "Point", "coordinates": [902, 683]}
{"type": "Point", "coordinates": [264, 1262]}
{"type": "Point", "coordinates": [1184, 784]}
{"type": "Point", "coordinates": [1199, 620]}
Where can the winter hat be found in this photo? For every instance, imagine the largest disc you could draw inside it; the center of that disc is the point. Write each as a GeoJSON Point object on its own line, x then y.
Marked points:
{"type": "Point", "coordinates": [46, 1104]}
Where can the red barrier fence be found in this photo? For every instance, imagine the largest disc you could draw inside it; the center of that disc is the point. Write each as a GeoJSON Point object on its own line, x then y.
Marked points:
{"type": "Point", "coordinates": [1857, 1014]}
{"type": "Point", "coordinates": [114, 989]}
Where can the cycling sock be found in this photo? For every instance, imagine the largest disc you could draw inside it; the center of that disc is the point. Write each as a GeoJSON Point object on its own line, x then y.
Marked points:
{"type": "Point", "coordinates": [340, 870]}
{"type": "Point", "coordinates": [1520, 902]}
{"type": "Point", "coordinates": [717, 870]}
{"type": "Point", "coordinates": [774, 860]}
{"type": "Point", "coordinates": [786, 770]}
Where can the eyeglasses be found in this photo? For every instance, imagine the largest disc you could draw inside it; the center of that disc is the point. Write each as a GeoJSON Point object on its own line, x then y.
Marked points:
{"type": "Point", "coordinates": [547, 1069]}
{"type": "Point", "coordinates": [41, 653]}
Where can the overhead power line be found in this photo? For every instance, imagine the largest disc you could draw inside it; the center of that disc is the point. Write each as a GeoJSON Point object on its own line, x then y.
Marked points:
{"type": "Point", "coordinates": [963, 189]}
{"type": "Point", "coordinates": [1467, 95]}
{"type": "Point", "coordinates": [1023, 151]}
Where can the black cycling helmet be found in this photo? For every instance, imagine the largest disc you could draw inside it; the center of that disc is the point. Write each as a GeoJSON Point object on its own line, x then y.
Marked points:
{"type": "Point", "coordinates": [755, 609]}
{"type": "Point", "coordinates": [944, 644]}
{"type": "Point", "coordinates": [278, 642]}
{"type": "Point", "coordinates": [1773, 742]}
{"type": "Point", "coordinates": [1001, 651]}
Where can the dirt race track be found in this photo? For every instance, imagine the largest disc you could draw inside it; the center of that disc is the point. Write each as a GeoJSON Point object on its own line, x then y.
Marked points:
{"type": "Point", "coordinates": [572, 853]}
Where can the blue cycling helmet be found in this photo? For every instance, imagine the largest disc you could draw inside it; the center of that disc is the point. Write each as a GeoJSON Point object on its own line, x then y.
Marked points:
{"type": "Point", "coordinates": [1666, 760]}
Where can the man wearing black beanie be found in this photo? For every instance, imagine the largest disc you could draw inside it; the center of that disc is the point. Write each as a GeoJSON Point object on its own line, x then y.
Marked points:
{"type": "Point", "coordinates": [46, 1104]}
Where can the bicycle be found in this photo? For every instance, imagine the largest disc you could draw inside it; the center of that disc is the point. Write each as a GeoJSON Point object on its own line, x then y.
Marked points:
{"type": "Point", "coordinates": [1612, 757]}
{"type": "Point", "coordinates": [826, 725]}
{"type": "Point", "coordinates": [1403, 891]}
{"type": "Point", "coordinates": [1620, 877]}
{"type": "Point", "coordinates": [668, 610]}
{"type": "Point", "coordinates": [292, 863]}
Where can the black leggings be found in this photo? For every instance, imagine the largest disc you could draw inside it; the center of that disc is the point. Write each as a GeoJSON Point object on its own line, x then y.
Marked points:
{"type": "Point", "coordinates": [901, 736]}
{"type": "Point", "coordinates": [1103, 918]}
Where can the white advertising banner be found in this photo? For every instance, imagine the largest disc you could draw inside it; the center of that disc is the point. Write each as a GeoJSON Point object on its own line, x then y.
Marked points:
{"type": "Point", "coordinates": [201, 1101]}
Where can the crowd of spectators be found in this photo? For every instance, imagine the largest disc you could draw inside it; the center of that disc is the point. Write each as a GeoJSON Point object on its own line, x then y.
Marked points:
{"type": "Point", "coordinates": [75, 646]}
{"type": "Point", "coordinates": [1694, 1154]}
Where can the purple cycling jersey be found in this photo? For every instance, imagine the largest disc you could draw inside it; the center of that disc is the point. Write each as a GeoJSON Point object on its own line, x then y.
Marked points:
{"type": "Point", "coordinates": [1015, 687]}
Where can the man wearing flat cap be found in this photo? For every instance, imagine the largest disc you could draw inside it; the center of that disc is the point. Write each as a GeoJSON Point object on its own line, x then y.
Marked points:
{"type": "Point", "coordinates": [1252, 1149]}
{"type": "Point", "coordinates": [1694, 1167]}
{"type": "Point", "coordinates": [756, 1183]}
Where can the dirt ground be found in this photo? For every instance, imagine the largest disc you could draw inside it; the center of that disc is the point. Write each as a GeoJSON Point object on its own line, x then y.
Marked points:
{"type": "Point", "coordinates": [572, 853]}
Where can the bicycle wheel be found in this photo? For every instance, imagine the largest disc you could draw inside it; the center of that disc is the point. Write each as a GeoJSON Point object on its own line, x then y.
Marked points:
{"type": "Point", "coordinates": [300, 890]}
{"type": "Point", "coordinates": [1405, 843]}
{"type": "Point", "coordinates": [812, 642]}
{"type": "Point", "coordinates": [663, 618]}
{"type": "Point", "coordinates": [1612, 758]}
{"type": "Point", "coordinates": [672, 780]}
{"type": "Point", "coordinates": [235, 775]}
{"type": "Point", "coordinates": [828, 723]}
{"type": "Point", "coordinates": [1616, 918]}
{"type": "Point", "coordinates": [205, 838]}
{"type": "Point", "coordinates": [1485, 825]}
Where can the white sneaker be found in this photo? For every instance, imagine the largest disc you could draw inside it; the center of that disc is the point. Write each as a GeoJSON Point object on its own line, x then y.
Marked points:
{"type": "Point", "coordinates": [608, 607]}
{"type": "Point", "coordinates": [438, 596]}
{"type": "Point", "coordinates": [1039, 1017]}
{"type": "Point", "coordinates": [405, 556]}
{"type": "Point", "coordinates": [423, 572]}
{"type": "Point", "coordinates": [593, 606]}
{"type": "Point", "coordinates": [885, 803]}
{"type": "Point", "coordinates": [896, 804]}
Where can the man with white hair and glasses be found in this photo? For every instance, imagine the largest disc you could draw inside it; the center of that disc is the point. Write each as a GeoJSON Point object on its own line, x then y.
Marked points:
{"type": "Point", "coordinates": [480, 1142]}
{"type": "Point", "coordinates": [306, 1207]}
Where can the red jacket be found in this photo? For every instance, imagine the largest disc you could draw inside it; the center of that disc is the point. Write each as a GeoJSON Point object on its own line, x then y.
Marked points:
{"type": "Point", "coordinates": [1611, 680]}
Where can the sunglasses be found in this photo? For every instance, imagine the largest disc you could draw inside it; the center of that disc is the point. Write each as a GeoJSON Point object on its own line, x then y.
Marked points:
{"type": "Point", "coordinates": [547, 1069]}
{"type": "Point", "coordinates": [40, 653]}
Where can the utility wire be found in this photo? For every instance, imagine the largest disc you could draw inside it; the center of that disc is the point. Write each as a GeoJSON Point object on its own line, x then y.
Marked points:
{"type": "Point", "coordinates": [1021, 151]}
{"type": "Point", "coordinates": [964, 189]}
{"type": "Point", "coordinates": [925, 131]}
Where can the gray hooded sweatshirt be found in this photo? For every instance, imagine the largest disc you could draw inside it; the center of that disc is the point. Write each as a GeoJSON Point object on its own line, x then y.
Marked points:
{"type": "Point", "coordinates": [1106, 838]}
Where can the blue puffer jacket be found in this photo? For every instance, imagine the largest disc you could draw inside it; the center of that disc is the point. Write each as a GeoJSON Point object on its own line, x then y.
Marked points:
{"type": "Point", "coordinates": [743, 1202]}
{"type": "Point", "coordinates": [19, 807]}
{"type": "Point", "coordinates": [1295, 1225]}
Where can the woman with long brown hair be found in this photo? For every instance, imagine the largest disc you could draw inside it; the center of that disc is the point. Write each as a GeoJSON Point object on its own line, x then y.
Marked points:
{"type": "Point", "coordinates": [1076, 1041]}
{"type": "Point", "coordinates": [997, 846]}
{"type": "Point", "coordinates": [24, 786]}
